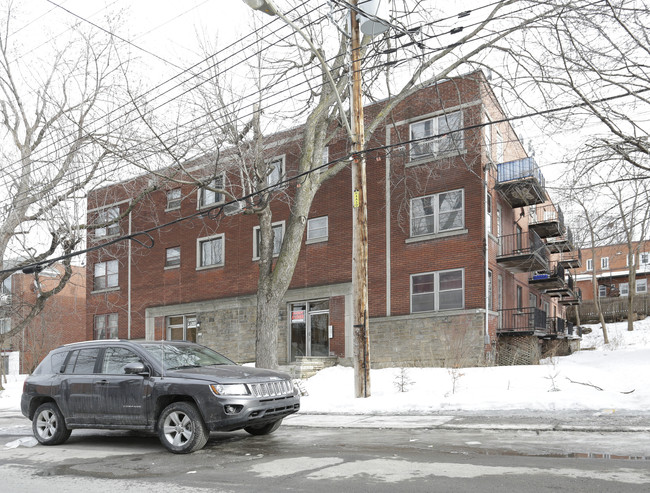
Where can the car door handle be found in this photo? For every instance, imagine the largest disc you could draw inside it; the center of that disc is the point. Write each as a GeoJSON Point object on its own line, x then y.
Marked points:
{"type": "Point", "coordinates": [102, 382]}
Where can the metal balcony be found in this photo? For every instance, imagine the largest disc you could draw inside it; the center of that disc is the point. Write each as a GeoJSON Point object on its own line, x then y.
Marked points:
{"type": "Point", "coordinates": [565, 288]}
{"type": "Point", "coordinates": [521, 182]}
{"type": "Point", "coordinates": [573, 298]}
{"type": "Point", "coordinates": [524, 252]}
{"type": "Point", "coordinates": [556, 327]}
{"type": "Point", "coordinates": [522, 321]}
{"type": "Point", "coordinates": [561, 244]}
{"type": "Point", "coordinates": [570, 260]}
{"type": "Point", "coordinates": [546, 220]}
{"type": "Point", "coordinates": [552, 279]}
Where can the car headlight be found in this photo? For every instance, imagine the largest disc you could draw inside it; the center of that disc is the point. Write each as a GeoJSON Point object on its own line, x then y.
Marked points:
{"type": "Point", "coordinates": [229, 389]}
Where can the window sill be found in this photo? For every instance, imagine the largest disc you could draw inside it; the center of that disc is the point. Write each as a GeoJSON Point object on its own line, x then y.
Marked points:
{"type": "Point", "coordinates": [436, 236]}
{"type": "Point", "coordinates": [433, 157]}
{"type": "Point", "coordinates": [170, 209]}
{"type": "Point", "coordinates": [105, 290]}
{"type": "Point", "coordinates": [105, 237]}
{"type": "Point", "coordinates": [209, 206]}
{"type": "Point", "coordinates": [170, 267]}
{"type": "Point", "coordinates": [317, 240]}
{"type": "Point", "coordinates": [208, 267]}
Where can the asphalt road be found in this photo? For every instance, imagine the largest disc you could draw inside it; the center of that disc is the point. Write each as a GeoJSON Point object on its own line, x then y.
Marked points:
{"type": "Point", "coordinates": [302, 457]}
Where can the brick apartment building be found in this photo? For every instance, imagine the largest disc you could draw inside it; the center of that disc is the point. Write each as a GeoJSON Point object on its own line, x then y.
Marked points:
{"type": "Point", "coordinates": [611, 265]}
{"type": "Point", "coordinates": [62, 320]}
{"type": "Point", "coordinates": [435, 207]}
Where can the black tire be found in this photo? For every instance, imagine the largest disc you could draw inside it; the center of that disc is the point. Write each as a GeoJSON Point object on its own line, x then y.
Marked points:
{"type": "Point", "coordinates": [49, 426]}
{"type": "Point", "coordinates": [181, 428]}
{"type": "Point", "coordinates": [264, 429]}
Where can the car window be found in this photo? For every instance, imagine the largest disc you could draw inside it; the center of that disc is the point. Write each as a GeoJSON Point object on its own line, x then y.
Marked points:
{"type": "Point", "coordinates": [82, 361]}
{"type": "Point", "coordinates": [176, 357]}
{"type": "Point", "coordinates": [115, 358]}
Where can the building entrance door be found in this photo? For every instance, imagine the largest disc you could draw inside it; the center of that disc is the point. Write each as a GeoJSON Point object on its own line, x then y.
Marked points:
{"type": "Point", "coordinates": [310, 329]}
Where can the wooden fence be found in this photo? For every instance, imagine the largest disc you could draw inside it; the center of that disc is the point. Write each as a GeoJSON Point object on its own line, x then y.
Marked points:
{"type": "Point", "coordinates": [614, 309]}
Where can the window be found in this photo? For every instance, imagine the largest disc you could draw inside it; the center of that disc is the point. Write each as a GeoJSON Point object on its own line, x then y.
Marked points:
{"type": "Point", "coordinates": [105, 216]}
{"type": "Point", "coordinates": [317, 229]}
{"type": "Point", "coordinates": [210, 197]}
{"type": "Point", "coordinates": [644, 258]}
{"type": "Point", "coordinates": [182, 328]}
{"type": "Point", "coordinates": [520, 298]}
{"type": "Point", "coordinates": [173, 257]}
{"type": "Point", "coordinates": [5, 288]}
{"type": "Point", "coordinates": [173, 199]}
{"type": "Point", "coordinates": [433, 291]}
{"type": "Point", "coordinates": [602, 291]}
{"type": "Point", "coordinates": [624, 289]}
{"type": "Point", "coordinates": [106, 326]}
{"type": "Point", "coordinates": [641, 285]}
{"type": "Point", "coordinates": [604, 262]}
{"type": "Point", "coordinates": [437, 213]}
{"type": "Point", "coordinates": [590, 264]}
{"type": "Point", "coordinates": [106, 275]}
{"type": "Point", "coordinates": [489, 213]}
{"type": "Point", "coordinates": [278, 235]}
{"type": "Point", "coordinates": [489, 290]}
{"type": "Point", "coordinates": [5, 325]}
{"type": "Point", "coordinates": [487, 133]}
{"type": "Point", "coordinates": [82, 361]}
{"type": "Point", "coordinates": [439, 129]}
{"type": "Point", "coordinates": [210, 251]}
{"type": "Point", "coordinates": [116, 358]}
{"type": "Point", "coordinates": [500, 150]}
{"type": "Point", "coordinates": [275, 171]}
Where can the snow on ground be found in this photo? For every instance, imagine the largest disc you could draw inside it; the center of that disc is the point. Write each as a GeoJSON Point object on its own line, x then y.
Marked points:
{"type": "Point", "coordinates": [620, 369]}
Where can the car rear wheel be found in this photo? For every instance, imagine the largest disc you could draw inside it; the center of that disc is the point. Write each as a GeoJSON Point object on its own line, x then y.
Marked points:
{"type": "Point", "coordinates": [264, 429]}
{"type": "Point", "coordinates": [181, 429]}
{"type": "Point", "coordinates": [49, 426]}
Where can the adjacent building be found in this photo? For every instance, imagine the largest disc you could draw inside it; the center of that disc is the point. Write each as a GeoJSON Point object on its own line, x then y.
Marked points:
{"type": "Point", "coordinates": [469, 258]}
{"type": "Point", "coordinates": [62, 320]}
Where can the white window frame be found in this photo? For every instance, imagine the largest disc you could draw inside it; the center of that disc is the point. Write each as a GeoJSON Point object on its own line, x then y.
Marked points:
{"type": "Point", "coordinates": [436, 290]}
{"type": "Point", "coordinates": [624, 289]}
{"type": "Point", "coordinates": [641, 286]}
{"type": "Point", "coordinates": [488, 207]}
{"type": "Point", "coordinates": [589, 265]}
{"type": "Point", "coordinates": [209, 198]}
{"type": "Point", "coordinates": [5, 325]}
{"type": "Point", "coordinates": [273, 177]}
{"type": "Point", "coordinates": [112, 278]}
{"type": "Point", "coordinates": [436, 213]}
{"type": "Point", "coordinates": [175, 260]}
{"type": "Point", "coordinates": [110, 325]}
{"type": "Point", "coordinates": [644, 258]}
{"type": "Point", "coordinates": [602, 291]}
{"type": "Point", "coordinates": [453, 143]}
{"type": "Point", "coordinates": [199, 251]}
{"type": "Point", "coordinates": [604, 263]}
{"type": "Point", "coordinates": [105, 215]}
{"type": "Point", "coordinates": [313, 229]}
{"type": "Point", "coordinates": [277, 243]}
{"type": "Point", "coordinates": [173, 203]}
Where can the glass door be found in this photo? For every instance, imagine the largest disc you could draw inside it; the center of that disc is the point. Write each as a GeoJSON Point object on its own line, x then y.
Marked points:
{"type": "Point", "coordinates": [310, 329]}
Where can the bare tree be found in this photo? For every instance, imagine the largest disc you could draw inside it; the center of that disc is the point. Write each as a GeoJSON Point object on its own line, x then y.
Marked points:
{"type": "Point", "coordinates": [56, 104]}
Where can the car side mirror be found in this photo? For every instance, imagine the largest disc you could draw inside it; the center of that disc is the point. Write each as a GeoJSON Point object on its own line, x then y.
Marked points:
{"type": "Point", "coordinates": [135, 368]}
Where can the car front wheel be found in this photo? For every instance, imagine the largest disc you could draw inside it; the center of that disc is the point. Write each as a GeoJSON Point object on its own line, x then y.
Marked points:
{"type": "Point", "coordinates": [181, 429]}
{"type": "Point", "coordinates": [264, 429]}
{"type": "Point", "coordinates": [49, 426]}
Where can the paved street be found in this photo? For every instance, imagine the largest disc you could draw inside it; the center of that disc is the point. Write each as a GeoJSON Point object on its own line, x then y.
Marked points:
{"type": "Point", "coordinates": [351, 453]}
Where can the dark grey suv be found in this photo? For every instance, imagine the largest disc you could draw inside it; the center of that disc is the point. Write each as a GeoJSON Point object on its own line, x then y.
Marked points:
{"type": "Point", "coordinates": [180, 390]}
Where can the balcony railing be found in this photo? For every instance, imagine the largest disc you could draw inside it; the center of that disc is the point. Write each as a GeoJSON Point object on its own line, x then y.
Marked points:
{"type": "Point", "coordinates": [571, 260]}
{"type": "Point", "coordinates": [522, 321]}
{"type": "Point", "coordinates": [524, 252]}
{"type": "Point", "coordinates": [554, 278]}
{"type": "Point", "coordinates": [546, 220]}
{"type": "Point", "coordinates": [556, 326]}
{"type": "Point", "coordinates": [521, 182]}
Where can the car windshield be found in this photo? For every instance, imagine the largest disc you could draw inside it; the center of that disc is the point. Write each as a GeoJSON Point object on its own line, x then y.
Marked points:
{"type": "Point", "coordinates": [177, 357]}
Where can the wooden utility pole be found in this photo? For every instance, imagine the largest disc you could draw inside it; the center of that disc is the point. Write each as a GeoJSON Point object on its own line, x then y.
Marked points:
{"type": "Point", "coordinates": [359, 224]}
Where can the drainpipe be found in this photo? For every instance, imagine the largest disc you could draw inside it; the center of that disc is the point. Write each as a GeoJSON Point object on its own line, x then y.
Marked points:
{"type": "Point", "coordinates": [128, 289]}
{"type": "Point", "coordinates": [486, 339]}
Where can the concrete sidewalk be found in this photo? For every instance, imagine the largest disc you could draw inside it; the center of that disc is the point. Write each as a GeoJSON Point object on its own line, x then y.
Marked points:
{"type": "Point", "coordinates": [588, 421]}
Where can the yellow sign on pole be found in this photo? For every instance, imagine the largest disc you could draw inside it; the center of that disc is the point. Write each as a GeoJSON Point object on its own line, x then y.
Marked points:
{"type": "Point", "coordinates": [357, 199]}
